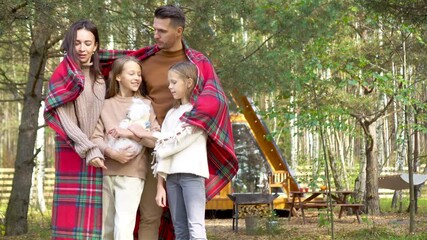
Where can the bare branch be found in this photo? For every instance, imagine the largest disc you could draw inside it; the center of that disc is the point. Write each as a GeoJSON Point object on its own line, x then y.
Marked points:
{"type": "Point", "coordinates": [53, 41]}
{"type": "Point", "coordinates": [18, 7]}
{"type": "Point", "coordinates": [11, 100]}
{"type": "Point", "coordinates": [13, 86]}
{"type": "Point", "coordinates": [381, 112]}
{"type": "Point", "coordinates": [38, 150]}
{"type": "Point", "coordinates": [258, 48]}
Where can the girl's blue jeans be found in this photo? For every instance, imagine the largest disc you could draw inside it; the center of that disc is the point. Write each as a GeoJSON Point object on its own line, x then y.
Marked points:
{"type": "Point", "coordinates": [187, 203]}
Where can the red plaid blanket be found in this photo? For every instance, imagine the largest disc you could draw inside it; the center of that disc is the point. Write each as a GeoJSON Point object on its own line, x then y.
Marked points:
{"type": "Point", "coordinates": [65, 85]}
{"type": "Point", "coordinates": [77, 200]}
{"type": "Point", "coordinates": [210, 113]}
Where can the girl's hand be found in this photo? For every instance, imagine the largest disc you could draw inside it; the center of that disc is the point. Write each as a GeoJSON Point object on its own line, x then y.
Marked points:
{"type": "Point", "coordinates": [145, 136]}
{"type": "Point", "coordinates": [137, 129]}
{"type": "Point", "coordinates": [98, 163]}
{"type": "Point", "coordinates": [122, 156]}
{"type": "Point", "coordinates": [118, 132]}
{"type": "Point", "coordinates": [161, 196]}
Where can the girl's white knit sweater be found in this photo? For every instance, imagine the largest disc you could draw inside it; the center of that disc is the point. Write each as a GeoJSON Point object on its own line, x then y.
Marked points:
{"type": "Point", "coordinates": [180, 148]}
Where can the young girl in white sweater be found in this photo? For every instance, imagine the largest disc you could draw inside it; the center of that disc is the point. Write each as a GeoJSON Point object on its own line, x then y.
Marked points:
{"type": "Point", "coordinates": [182, 159]}
{"type": "Point", "coordinates": [123, 134]}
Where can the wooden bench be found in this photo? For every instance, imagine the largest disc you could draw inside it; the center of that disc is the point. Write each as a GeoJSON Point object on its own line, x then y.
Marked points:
{"type": "Point", "coordinates": [315, 205]}
{"type": "Point", "coordinates": [356, 208]}
{"type": "Point", "coordinates": [279, 179]}
{"type": "Point", "coordinates": [299, 202]}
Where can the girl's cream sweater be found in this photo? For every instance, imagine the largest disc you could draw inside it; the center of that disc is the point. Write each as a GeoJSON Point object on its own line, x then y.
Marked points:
{"type": "Point", "coordinates": [181, 148]}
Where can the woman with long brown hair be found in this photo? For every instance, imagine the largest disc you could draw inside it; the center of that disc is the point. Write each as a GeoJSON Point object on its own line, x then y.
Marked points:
{"type": "Point", "coordinates": [73, 105]}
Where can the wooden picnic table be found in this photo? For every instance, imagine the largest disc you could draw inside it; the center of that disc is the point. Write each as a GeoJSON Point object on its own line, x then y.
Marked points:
{"type": "Point", "coordinates": [311, 201]}
{"type": "Point", "coordinates": [341, 199]}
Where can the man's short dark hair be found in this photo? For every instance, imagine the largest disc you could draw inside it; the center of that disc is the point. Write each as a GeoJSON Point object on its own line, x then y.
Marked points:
{"type": "Point", "coordinates": [173, 12]}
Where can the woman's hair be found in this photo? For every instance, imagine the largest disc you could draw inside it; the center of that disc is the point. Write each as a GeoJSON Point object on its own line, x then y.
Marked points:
{"type": "Point", "coordinates": [173, 12]}
{"type": "Point", "coordinates": [70, 39]}
{"type": "Point", "coordinates": [113, 86]}
{"type": "Point", "coordinates": [187, 71]}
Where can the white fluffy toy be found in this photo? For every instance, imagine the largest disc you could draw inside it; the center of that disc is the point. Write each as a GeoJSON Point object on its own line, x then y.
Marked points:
{"type": "Point", "coordinates": [139, 113]}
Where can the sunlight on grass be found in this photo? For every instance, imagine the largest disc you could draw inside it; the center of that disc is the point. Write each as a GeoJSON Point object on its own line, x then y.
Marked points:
{"type": "Point", "coordinates": [378, 233]}
{"type": "Point", "coordinates": [38, 224]}
{"type": "Point", "coordinates": [385, 205]}
{"type": "Point", "coordinates": [370, 233]}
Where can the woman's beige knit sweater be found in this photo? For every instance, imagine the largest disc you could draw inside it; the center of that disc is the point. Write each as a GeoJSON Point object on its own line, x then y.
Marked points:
{"type": "Point", "coordinates": [79, 118]}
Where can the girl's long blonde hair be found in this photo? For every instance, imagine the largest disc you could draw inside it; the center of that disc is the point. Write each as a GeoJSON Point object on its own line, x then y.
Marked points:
{"type": "Point", "coordinates": [113, 87]}
{"type": "Point", "coordinates": [187, 71]}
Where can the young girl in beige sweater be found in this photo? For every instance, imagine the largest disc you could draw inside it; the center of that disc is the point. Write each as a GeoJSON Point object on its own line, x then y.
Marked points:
{"type": "Point", "coordinates": [116, 134]}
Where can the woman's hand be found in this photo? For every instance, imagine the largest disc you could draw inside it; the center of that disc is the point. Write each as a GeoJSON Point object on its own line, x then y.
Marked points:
{"type": "Point", "coordinates": [98, 163]}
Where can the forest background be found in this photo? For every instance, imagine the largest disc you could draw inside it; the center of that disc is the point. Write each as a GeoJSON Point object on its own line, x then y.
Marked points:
{"type": "Point", "coordinates": [338, 82]}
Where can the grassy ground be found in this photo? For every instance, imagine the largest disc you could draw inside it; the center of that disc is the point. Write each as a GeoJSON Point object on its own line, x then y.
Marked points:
{"type": "Point", "coordinates": [391, 224]}
{"type": "Point", "coordinates": [386, 226]}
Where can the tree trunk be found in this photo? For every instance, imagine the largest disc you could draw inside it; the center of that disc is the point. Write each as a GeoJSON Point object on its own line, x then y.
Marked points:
{"type": "Point", "coordinates": [385, 136]}
{"type": "Point", "coordinates": [372, 199]}
{"type": "Point", "coordinates": [417, 191]}
{"type": "Point", "coordinates": [41, 203]}
{"type": "Point", "coordinates": [335, 169]}
{"type": "Point", "coordinates": [294, 136]}
{"type": "Point", "coordinates": [360, 182]}
{"type": "Point", "coordinates": [17, 209]}
{"type": "Point", "coordinates": [341, 146]}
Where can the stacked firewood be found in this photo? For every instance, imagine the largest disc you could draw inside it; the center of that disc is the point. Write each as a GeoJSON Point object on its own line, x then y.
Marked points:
{"type": "Point", "coordinates": [259, 210]}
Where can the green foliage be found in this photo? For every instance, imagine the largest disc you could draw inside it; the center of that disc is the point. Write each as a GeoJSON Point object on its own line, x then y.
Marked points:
{"type": "Point", "coordinates": [365, 219]}
{"type": "Point", "coordinates": [272, 227]}
{"type": "Point", "coordinates": [324, 219]}
{"type": "Point", "coordinates": [407, 11]}
{"type": "Point", "coordinates": [371, 233]}
{"type": "Point", "coordinates": [2, 222]}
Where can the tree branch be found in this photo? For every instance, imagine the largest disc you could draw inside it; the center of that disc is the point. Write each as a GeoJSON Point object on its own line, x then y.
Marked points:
{"type": "Point", "coordinates": [258, 48]}
{"type": "Point", "coordinates": [13, 86]}
{"type": "Point", "coordinates": [16, 8]}
{"type": "Point", "coordinates": [53, 41]}
{"type": "Point", "coordinates": [380, 113]}
{"type": "Point", "coordinates": [11, 100]}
